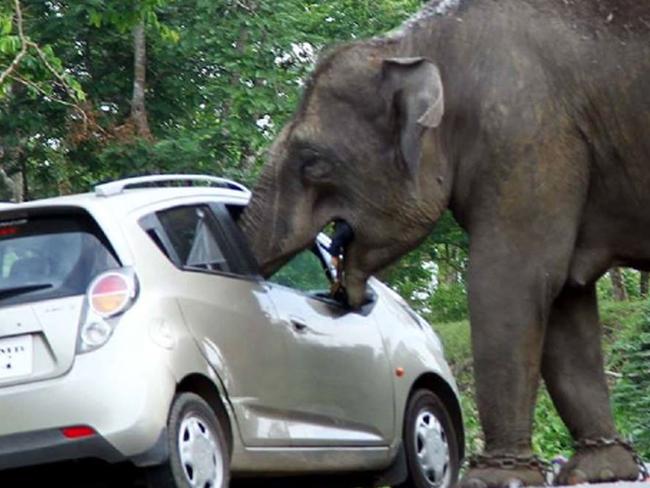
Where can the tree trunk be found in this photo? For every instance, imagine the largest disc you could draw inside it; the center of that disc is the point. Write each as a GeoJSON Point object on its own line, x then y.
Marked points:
{"type": "Point", "coordinates": [618, 287]}
{"type": "Point", "coordinates": [12, 181]}
{"type": "Point", "coordinates": [20, 187]}
{"type": "Point", "coordinates": [7, 187]}
{"type": "Point", "coordinates": [644, 280]}
{"type": "Point", "coordinates": [138, 107]}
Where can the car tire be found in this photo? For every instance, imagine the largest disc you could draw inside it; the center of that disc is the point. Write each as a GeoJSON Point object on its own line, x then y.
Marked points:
{"type": "Point", "coordinates": [430, 443]}
{"type": "Point", "coordinates": [198, 452]}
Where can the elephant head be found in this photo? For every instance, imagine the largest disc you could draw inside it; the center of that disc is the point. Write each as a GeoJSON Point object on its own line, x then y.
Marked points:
{"type": "Point", "coordinates": [363, 147]}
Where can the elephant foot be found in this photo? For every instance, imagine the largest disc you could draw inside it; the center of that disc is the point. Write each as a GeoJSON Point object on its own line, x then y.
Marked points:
{"type": "Point", "coordinates": [599, 462]}
{"type": "Point", "coordinates": [504, 471]}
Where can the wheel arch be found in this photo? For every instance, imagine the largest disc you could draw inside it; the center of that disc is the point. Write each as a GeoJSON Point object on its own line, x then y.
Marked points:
{"type": "Point", "coordinates": [202, 386]}
{"type": "Point", "coordinates": [436, 384]}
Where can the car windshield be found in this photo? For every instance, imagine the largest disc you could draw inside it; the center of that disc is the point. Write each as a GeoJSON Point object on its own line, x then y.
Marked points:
{"type": "Point", "coordinates": [50, 257]}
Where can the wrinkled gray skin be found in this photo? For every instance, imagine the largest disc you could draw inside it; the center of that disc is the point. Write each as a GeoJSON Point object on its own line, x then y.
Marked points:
{"type": "Point", "coordinates": [530, 120]}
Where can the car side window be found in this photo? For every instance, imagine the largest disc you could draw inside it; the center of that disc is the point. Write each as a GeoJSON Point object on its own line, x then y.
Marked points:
{"type": "Point", "coordinates": [192, 241]}
{"type": "Point", "coordinates": [227, 216]}
{"type": "Point", "coordinates": [304, 272]}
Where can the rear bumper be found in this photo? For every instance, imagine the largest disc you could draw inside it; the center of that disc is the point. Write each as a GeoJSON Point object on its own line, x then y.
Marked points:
{"type": "Point", "coordinates": [124, 398]}
{"type": "Point", "coordinates": [50, 446]}
{"type": "Point", "coordinates": [47, 446]}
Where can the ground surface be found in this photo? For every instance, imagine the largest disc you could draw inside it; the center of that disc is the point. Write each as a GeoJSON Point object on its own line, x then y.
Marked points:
{"type": "Point", "coordinates": [100, 475]}
{"type": "Point", "coordinates": [90, 474]}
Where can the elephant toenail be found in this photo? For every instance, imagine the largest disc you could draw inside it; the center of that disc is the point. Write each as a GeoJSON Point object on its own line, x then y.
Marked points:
{"type": "Point", "coordinates": [474, 483]}
{"type": "Point", "coordinates": [606, 475]}
{"type": "Point", "coordinates": [577, 477]}
{"type": "Point", "coordinates": [514, 483]}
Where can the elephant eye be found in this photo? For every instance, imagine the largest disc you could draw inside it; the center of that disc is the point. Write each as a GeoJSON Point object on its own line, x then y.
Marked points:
{"type": "Point", "coordinates": [316, 169]}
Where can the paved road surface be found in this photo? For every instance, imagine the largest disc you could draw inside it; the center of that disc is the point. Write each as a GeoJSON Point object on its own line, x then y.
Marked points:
{"type": "Point", "coordinates": [90, 474]}
{"type": "Point", "coordinates": [100, 475]}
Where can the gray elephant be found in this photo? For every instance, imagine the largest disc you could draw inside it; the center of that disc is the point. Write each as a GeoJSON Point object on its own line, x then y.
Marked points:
{"type": "Point", "coordinates": [530, 120]}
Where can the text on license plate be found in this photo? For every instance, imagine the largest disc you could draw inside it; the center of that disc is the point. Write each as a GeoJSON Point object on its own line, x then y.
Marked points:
{"type": "Point", "coordinates": [16, 356]}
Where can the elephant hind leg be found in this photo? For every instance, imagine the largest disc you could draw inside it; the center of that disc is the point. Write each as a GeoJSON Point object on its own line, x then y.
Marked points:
{"type": "Point", "coordinates": [573, 369]}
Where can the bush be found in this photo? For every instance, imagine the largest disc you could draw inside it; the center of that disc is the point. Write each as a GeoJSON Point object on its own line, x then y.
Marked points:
{"type": "Point", "coordinates": [448, 303]}
{"type": "Point", "coordinates": [551, 437]}
{"type": "Point", "coordinates": [631, 393]}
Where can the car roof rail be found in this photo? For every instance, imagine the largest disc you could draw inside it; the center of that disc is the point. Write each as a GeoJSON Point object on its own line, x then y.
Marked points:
{"type": "Point", "coordinates": [118, 187]}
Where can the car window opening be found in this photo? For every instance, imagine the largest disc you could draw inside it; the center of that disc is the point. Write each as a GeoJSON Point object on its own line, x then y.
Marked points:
{"type": "Point", "coordinates": [191, 233]}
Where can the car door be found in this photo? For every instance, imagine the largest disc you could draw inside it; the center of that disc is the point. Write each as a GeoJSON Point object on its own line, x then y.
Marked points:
{"type": "Point", "coordinates": [229, 312]}
{"type": "Point", "coordinates": [341, 387]}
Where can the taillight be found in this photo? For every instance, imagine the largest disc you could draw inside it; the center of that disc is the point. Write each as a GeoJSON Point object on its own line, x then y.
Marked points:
{"type": "Point", "coordinates": [111, 293]}
{"type": "Point", "coordinates": [78, 432]}
{"type": "Point", "coordinates": [8, 231]}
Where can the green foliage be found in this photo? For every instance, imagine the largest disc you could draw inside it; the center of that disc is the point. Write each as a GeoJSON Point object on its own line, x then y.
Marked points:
{"type": "Point", "coordinates": [631, 360]}
{"type": "Point", "coordinates": [223, 77]}
{"type": "Point", "coordinates": [474, 442]}
{"type": "Point", "coordinates": [121, 14]}
{"type": "Point", "coordinates": [630, 282]}
{"type": "Point", "coordinates": [621, 320]}
{"type": "Point", "coordinates": [303, 272]}
{"type": "Point", "coordinates": [448, 303]}
{"type": "Point", "coordinates": [432, 277]}
{"type": "Point", "coordinates": [551, 437]}
{"type": "Point", "coordinates": [456, 339]}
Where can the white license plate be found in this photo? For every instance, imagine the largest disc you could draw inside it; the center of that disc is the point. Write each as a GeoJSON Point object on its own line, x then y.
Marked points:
{"type": "Point", "coordinates": [16, 356]}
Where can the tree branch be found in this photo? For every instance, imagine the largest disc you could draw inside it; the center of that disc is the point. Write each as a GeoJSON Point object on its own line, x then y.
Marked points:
{"type": "Point", "coordinates": [24, 44]}
{"type": "Point", "coordinates": [242, 5]}
{"type": "Point", "coordinates": [8, 183]}
{"type": "Point", "coordinates": [38, 89]}
{"type": "Point", "coordinates": [52, 70]}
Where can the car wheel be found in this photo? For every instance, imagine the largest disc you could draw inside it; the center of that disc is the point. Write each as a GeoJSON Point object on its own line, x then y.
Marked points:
{"type": "Point", "coordinates": [430, 443]}
{"type": "Point", "coordinates": [198, 453]}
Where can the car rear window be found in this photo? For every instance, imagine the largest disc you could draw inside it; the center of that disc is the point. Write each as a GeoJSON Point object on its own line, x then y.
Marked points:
{"type": "Point", "coordinates": [45, 257]}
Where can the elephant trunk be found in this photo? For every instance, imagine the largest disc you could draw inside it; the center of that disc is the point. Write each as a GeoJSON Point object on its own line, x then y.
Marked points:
{"type": "Point", "coordinates": [257, 221]}
{"type": "Point", "coordinates": [250, 220]}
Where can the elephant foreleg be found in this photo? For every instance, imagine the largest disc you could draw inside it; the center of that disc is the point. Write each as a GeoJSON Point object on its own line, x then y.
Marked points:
{"type": "Point", "coordinates": [509, 302]}
{"type": "Point", "coordinates": [573, 370]}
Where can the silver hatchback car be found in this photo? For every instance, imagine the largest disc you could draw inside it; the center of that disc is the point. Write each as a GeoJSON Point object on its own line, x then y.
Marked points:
{"type": "Point", "coordinates": [134, 326]}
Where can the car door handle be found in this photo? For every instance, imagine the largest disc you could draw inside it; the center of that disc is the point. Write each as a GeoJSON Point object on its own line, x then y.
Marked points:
{"type": "Point", "coordinates": [299, 324]}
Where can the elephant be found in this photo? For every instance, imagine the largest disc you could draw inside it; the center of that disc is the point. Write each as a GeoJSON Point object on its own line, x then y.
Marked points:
{"type": "Point", "coordinates": [530, 121]}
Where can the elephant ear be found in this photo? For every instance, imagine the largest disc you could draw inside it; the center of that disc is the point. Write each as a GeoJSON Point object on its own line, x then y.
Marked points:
{"type": "Point", "coordinates": [415, 89]}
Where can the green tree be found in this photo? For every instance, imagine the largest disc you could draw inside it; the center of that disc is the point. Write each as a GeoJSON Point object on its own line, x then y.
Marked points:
{"type": "Point", "coordinates": [432, 277]}
{"type": "Point", "coordinates": [45, 58]}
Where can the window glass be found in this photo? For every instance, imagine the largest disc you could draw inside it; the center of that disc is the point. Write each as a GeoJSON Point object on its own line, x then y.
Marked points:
{"type": "Point", "coordinates": [50, 257]}
{"type": "Point", "coordinates": [191, 234]}
{"type": "Point", "coordinates": [304, 272]}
